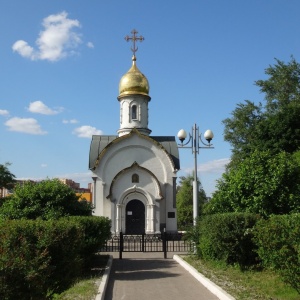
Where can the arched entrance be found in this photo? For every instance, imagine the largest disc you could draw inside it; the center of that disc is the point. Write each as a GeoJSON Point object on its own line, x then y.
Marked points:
{"type": "Point", "coordinates": [135, 217]}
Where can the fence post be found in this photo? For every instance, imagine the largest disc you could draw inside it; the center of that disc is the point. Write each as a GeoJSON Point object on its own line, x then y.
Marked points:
{"type": "Point", "coordinates": [165, 243]}
{"type": "Point", "coordinates": [143, 242]}
{"type": "Point", "coordinates": [121, 245]}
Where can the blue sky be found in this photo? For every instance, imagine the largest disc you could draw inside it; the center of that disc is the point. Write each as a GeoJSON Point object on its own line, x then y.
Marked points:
{"type": "Point", "coordinates": [61, 62]}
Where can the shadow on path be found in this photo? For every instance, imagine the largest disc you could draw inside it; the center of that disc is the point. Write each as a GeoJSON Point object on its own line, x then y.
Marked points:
{"type": "Point", "coordinates": [152, 278]}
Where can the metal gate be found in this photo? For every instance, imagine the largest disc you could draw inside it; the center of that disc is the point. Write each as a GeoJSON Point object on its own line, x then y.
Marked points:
{"type": "Point", "coordinates": [165, 242]}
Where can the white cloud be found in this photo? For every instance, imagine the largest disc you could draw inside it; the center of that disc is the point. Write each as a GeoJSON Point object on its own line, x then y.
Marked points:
{"type": "Point", "coordinates": [24, 49]}
{"type": "Point", "coordinates": [4, 112]}
{"type": "Point", "coordinates": [29, 125]}
{"type": "Point", "coordinates": [90, 45]}
{"type": "Point", "coordinates": [44, 165]}
{"type": "Point", "coordinates": [30, 178]}
{"type": "Point", "coordinates": [209, 172]}
{"type": "Point", "coordinates": [72, 121]}
{"type": "Point", "coordinates": [214, 166]}
{"type": "Point", "coordinates": [86, 131]}
{"type": "Point", "coordinates": [56, 41]}
{"type": "Point", "coordinates": [211, 167]}
{"type": "Point", "coordinates": [39, 107]}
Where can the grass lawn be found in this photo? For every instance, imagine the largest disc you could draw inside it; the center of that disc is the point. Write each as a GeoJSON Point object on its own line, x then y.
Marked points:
{"type": "Point", "coordinates": [245, 285]}
{"type": "Point", "coordinates": [86, 287]}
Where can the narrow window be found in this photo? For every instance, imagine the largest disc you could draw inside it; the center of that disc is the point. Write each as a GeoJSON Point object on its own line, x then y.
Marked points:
{"type": "Point", "coordinates": [133, 112]}
{"type": "Point", "coordinates": [135, 178]}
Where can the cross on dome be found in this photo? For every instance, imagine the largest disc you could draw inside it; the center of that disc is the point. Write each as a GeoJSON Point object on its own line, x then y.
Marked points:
{"type": "Point", "coordinates": [134, 38]}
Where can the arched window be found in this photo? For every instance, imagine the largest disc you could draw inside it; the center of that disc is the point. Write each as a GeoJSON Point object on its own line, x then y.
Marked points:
{"type": "Point", "coordinates": [134, 112]}
{"type": "Point", "coordinates": [135, 178]}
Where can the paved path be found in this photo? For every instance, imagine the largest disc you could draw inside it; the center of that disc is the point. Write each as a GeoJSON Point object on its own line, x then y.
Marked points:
{"type": "Point", "coordinates": [143, 276]}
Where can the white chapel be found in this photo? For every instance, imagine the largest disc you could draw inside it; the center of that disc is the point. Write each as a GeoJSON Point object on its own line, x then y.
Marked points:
{"type": "Point", "coordinates": [134, 173]}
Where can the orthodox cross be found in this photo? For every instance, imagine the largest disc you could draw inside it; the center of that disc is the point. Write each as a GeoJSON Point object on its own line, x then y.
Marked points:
{"type": "Point", "coordinates": [134, 38]}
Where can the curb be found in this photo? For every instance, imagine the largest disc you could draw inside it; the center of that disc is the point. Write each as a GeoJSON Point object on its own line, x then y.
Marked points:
{"type": "Point", "coordinates": [104, 280]}
{"type": "Point", "coordinates": [212, 287]}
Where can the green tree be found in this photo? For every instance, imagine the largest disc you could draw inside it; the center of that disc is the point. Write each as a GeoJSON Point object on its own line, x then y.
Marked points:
{"type": "Point", "coordinates": [263, 184]}
{"type": "Point", "coordinates": [7, 179]}
{"type": "Point", "coordinates": [283, 85]}
{"type": "Point", "coordinates": [263, 176]}
{"type": "Point", "coordinates": [241, 129]}
{"type": "Point", "coordinates": [184, 201]}
{"type": "Point", "coordinates": [274, 126]}
{"type": "Point", "coordinates": [48, 199]}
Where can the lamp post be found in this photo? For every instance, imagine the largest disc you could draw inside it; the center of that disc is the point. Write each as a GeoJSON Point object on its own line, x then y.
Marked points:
{"type": "Point", "coordinates": [196, 141]}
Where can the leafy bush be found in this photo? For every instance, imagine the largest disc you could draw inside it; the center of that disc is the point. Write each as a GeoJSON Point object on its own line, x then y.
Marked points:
{"type": "Point", "coordinates": [228, 237]}
{"type": "Point", "coordinates": [48, 200]}
{"type": "Point", "coordinates": [39, 258]}
{"type": "Point", "coordinates": [278, 240]}
{"type": "Point", "coordinates": [96, 232]}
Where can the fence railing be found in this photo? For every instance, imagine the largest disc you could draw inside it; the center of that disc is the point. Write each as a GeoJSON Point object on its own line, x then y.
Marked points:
{"type": "Point", "coordinates": [164, 242]}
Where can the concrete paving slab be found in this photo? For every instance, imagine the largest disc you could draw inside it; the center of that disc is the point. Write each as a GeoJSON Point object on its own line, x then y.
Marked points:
{"type": "Point", "coordinates": [145, 276]}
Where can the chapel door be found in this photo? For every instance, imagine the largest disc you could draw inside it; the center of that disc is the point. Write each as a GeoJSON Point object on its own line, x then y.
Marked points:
{"type": "Point", "coordinates": [135, 217]}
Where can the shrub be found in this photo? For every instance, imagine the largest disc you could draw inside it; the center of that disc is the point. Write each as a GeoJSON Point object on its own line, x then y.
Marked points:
{"type": "Point", "coordinates": [48, 200]}
{"type": "Point", "coordinates": [96, 232]}
{"type": "Point", "coordinates": [278, 240]}
{"type": "Point", "coordinates": [228, 237]}
{"type": "Point", "coordinates": [38, 257]}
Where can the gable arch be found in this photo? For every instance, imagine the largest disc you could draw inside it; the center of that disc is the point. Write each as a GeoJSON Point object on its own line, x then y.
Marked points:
{"type": "Point", "coordinates": [135, 167]}
{"type": "Point", "coordinates": [100, 156]}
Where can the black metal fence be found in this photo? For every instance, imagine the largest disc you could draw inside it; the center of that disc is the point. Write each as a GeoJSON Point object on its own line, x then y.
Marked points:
{"type": "Point", "coordinates": [165, 242]}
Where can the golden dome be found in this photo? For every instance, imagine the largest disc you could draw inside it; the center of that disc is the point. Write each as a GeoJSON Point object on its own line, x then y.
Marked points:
{"type": "Point", "coordinates": [133, 82]}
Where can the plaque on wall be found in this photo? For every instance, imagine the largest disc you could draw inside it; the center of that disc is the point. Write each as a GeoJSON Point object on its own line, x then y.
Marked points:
{"type": "Point", "coordinates": [171, 215]}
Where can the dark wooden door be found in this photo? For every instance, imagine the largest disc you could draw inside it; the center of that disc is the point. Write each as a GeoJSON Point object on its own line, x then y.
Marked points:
{"type": "Point", "coordinates": [135, 217]}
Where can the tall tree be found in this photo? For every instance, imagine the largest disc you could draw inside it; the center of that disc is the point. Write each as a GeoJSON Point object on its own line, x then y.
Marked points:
{"type": "Point", "coordinates": [274, 126]}
{"type": "Point", "coordinates": [241, 129]}
{"type": "Point", "coordinates": [7, 179]}
{"type": "Point", "coordinates": [184, 201]}
{"type": "Point", "coordinates": [283, 85]}
{"type": "Point", "coordinates": [263, 183]}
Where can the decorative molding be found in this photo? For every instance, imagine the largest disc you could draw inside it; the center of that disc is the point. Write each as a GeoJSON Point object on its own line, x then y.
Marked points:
{"type": "Point", "coordinates": [135, 165]}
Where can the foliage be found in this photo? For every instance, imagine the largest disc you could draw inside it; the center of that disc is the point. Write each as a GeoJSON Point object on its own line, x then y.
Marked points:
{"type": "Point", "coordinates": [184, 201]}
{"type": "Point", "coordinates": [48, 199]}
{"type": "Point", "coordinates": [7, 179]}
{"type": "Point", "coordinates": [228, 237]}
{"type": "Point", "coordinates": [263, 184]}
{"type": "Point", "coordinates": [283, 85]}
{"type": "Point", "coordinates": [241, 130]}
{"type": "Point", "coordinates": [278, 240]}
{"type": "Point", "coordinates": [85, 287]}
{"type": "Point", "coordinates": [192, 233]}
{"type": "Point", "coordinates": [40, 258]}
{"type": "Point", "coordinates": [96, 233]}
{"type": "Point", "coordinates": [296, 157]}
{"type": "Point", "coordinates": [274, 126]}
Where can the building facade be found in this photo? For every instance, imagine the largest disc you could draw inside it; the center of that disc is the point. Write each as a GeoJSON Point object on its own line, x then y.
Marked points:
{"type": "Point", "coordinates": [134, 173]}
